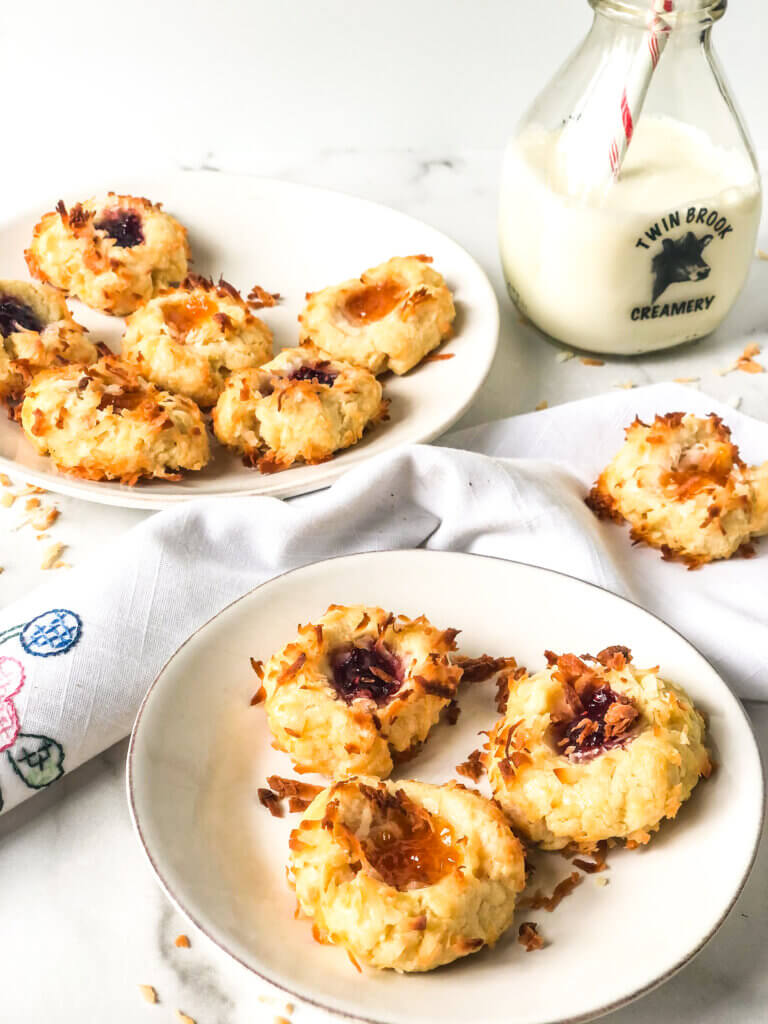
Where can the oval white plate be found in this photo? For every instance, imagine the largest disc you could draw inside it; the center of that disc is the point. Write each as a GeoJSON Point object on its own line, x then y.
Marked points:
{"type": "Point", "coordinates": [199, 752]}
{"type": "Point", "coordinates": [289, 239]}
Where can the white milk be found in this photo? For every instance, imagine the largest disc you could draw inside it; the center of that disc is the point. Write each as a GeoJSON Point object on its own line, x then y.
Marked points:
{"type": "Point", "coordinates": [657, 260]}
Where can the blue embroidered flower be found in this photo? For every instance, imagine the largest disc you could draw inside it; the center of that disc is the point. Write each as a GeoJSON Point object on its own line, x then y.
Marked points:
{"type": "Point", "coordinates": [53, 632]}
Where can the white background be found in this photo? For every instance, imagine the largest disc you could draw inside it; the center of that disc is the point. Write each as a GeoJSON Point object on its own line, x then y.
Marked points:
{"type": "Point", "coordinates": [187, 78]}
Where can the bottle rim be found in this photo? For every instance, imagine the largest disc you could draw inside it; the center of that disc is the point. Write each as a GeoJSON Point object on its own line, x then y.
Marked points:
{"type": "Point", "coordinates": [699, 13]}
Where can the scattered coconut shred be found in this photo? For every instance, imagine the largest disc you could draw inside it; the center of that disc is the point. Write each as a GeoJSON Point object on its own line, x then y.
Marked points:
{"type": "Point", "coordinates": [528, 936]}
{"type": "Point", "coordinates": [40, 517]}
{"type": "Point", "coordinates": [746, 362]}
{"type": "Point", "coordinates": [149, 993]}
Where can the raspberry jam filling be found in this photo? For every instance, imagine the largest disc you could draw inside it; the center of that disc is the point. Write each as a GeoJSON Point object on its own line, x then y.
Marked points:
{"type": "Point", "coordinates": [371, 672]}
{"type": "Point", "coordinates": [15, 315]}
{"type": "Point", "coordinates": [124, 226]}
{"type": "Point", "coordinates": [372, 302]}
{"type": "Point", "coordinates": [407, 847]}
{"type": "Point", "coordinates": [598, 718]}
{"type": "Point", "coordinates": [315, 373]}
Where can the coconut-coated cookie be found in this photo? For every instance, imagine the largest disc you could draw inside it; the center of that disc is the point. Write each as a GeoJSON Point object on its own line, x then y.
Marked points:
{"type": "Point", "coordinates": [189, 339]}
{"type": "Point", "coordinates": [112, 252]}
{"type": "Point", "coordinates": [387, 319]}
{"type": "Point", "coordinates": [36, 331]}
{"type": "Point", "coordinates": [681, 485]}
{"type": "Point", "coordinates": [104, 422]}
{"type": "Point", "coordinates": [405, 875]}
{"type": "Point", "coordinates": [359, 688]}
{"type": "Point", "coordinates": [302, 406]}
{"type": "Point", "coordinates": [592, 749]}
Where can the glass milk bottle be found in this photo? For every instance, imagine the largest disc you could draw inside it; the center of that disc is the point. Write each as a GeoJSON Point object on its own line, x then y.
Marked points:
{"type": "Point", "coordinates": [627, 256]}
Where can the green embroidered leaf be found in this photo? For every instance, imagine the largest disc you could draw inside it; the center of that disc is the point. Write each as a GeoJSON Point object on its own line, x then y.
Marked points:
{"type": "Point", "coordinates": [37, 760]}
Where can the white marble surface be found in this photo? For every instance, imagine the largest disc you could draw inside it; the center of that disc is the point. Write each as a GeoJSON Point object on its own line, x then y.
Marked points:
{"type": "Point", "coordinates": [83, 920]}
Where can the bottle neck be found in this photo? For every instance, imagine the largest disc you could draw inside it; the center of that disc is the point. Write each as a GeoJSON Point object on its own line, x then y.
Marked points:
{"type": "Point", "coordinates": [676, 14]}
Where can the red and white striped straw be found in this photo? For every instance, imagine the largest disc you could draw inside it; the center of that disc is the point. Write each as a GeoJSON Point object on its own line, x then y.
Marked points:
{"type": "Point", "coordinates": [637, 83]}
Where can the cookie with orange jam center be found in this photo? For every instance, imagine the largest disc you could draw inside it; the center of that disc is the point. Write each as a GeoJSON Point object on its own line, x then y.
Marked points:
{"type": "Point", "coordinates": [405, 875]}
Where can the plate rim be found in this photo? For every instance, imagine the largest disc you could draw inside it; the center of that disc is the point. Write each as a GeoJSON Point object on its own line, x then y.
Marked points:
{"type": "Point", "coordinates": [312, 1000]}
{"type": "Point", "coordinates": [62, 483]}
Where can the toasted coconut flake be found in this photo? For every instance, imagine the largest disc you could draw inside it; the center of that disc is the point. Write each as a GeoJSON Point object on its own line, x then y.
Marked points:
{"type": "Point", "coordinates": [452, 712]}
{"type": "Point", "coordinates": [528, 936]}
{"type": "Point", "coordinates": [6, 500]}
{"type": "Point", "coordinates": [5, 480]}
{"type": "Point", "coordinates": [543, 404]}
{"type": "Point", "coordinates": [271, 801]}
{"type": "Point", "coordinates": [540, 900]}
{"type": "Point", "coordinates": [258, 667]}
{"type": "Point", "coordinates": [258, 297]}
{"type": "Point", "coordinates": [51, 555]}
{"type": "Point", "coordinates": [290, 670]}
{"type": "Point", "coordinates": [45, 518]}
{"type": "Point", "coordinates": [182, 941]}
{"type": "Point", "coordinates": [477, 670]}
{"type": "Point", "coordinates": [149, 993]}
{"type": "Point", "coordinates": [438, 357]}
{"type": "Point", "coordinates": [473, 767]}
{"type": "Point", "coordinates": [297, 804]}
{"type": "Point", "coordinates": [292, 787]}
{"type": "Point", "coordinates": [259, 696]}
{"type": "Point", "coordinates": [589, 361]}
{"type": "Point", "coordinates": [184, 1017]}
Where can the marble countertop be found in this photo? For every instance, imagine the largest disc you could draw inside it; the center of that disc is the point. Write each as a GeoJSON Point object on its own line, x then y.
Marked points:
{"type": "Point", "coordinates": [84, 921]}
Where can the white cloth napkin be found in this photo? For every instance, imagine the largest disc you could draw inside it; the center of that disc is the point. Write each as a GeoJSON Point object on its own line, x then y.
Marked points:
{"type": "Point", "coordinates": [77, 655]}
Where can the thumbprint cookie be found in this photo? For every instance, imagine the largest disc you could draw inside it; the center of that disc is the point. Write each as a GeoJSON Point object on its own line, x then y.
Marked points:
{"type": "Point", "coordinates": [301, 407]}
{"type": "Point", "coordinates": [112, 253]}
{"type": "Point", "coordinates": [680, 484]}
{"type": "Point", "coordinates": [592, 749]}
{"type": "Point", "coordinates": [36, 331]}
{"type": "Point", "coordinates": [387, 319]}
{"type": "Point", "coordinates": [405, 875]}
{"type": "Point", "coordinates": [189, 339]}
{"type": "Point", "coordinates": [358, 690]}
{"type": "Point", "coordinates": [104, 422]}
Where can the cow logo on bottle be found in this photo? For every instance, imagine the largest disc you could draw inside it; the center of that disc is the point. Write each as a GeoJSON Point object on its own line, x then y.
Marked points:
{"type": "Point", "coordinates": [679, 260]}
{"type": "Point", "coordinates": [676, 259]}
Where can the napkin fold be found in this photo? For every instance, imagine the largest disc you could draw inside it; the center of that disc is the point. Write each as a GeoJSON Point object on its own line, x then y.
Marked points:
{"type": "Point", "coordinates": [78, 654]}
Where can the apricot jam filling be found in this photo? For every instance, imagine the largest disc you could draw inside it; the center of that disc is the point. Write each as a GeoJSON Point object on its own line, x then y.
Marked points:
{"type": "Point", "coordinates": [406, 846]}
{"type": "Point", "coordinates": [371, 671]}
{"type": "Point", "coordinates": [185, 315]}
{"type": "Point", "coordinates": [15, 316]}
{"type": "Point", "coordinates": [372, 302]}
{"type": "Point", "coordinates": [124, 226]}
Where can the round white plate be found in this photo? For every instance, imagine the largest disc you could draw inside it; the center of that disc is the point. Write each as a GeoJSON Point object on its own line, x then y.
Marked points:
{"type": "Point", "coordinates": [289, 239]}
{"type": "Point", "coordinates": [199, 752]}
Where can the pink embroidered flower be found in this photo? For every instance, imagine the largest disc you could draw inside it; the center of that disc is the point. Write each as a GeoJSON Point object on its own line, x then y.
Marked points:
{"type": "Point", "coordinates": [11, 681]}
